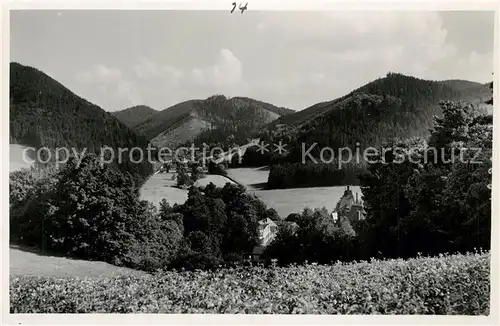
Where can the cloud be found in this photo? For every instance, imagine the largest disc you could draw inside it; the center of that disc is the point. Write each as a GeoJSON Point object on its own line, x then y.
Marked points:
{"type": "Point", "coordinates": [160, 85]}
{"type": "Point", "coordinates": [146, 69]}
{"type": "Point", "coordinates": [293, 59]}
{"type": "Point", "coordinates": [113, 83]}
{"type": "Point", "coordinates": [226, 72]}
{"type": "Point", "coordinates": [474, 66]}
{"type": "Point", "coordinates": [391, 40]}
{"type": "Point", "coordinates": [352, 48]}
{"type": "Point", "coordinates": [100, 74]}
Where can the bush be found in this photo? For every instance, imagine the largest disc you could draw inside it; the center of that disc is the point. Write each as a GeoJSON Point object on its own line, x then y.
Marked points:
{"type": "Point", "coordinates": [92, 211]}
{"type": "Point", "coordinates": [217, 168]}
{"type": "Point", "coordinates": [217, 223]}
{"type": "Point", "coordinates": [28, 206]}
{"type": "Point", "coordinates": [196, 261]}
{"type": "Point", "coordinates": [318, 239]}
{"type": "Point", "coordinates": [184, 180]}
{"type": "Point", "coordinates": [21, 186]}
{"type": "Point", "coordinates": [156, 244]}
{"type": "Point", "coordinates": [196, 172]}
{"type": "Point", "coordinates": [448, 285]}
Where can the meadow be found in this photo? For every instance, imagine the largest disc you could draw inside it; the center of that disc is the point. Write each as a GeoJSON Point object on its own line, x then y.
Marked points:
{"type": "Point", "coordinates": [33, 263]}
{"type": "Point", "coordinates": [161, 186]}
{"type": "Point", "coordinates": [287, 201]}
{"type": "Point", "coordinates": [284, 201]}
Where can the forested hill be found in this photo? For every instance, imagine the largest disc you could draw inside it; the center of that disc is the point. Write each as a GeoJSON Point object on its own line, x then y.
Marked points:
{"type": "Point", "coordinates": [396, 107]}
{"type": "Point", "coordinates": [134, 115]}
{"type": "Point", "coordinates": [213, 119]}
{"type": "Point", "coordinates": [45, 113]}
{"type": "Point", "coordinates": [414, 93]}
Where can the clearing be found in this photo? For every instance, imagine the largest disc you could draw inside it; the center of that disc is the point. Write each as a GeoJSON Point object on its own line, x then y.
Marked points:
{"type": "Point", "coordinates": [287, 201]}
{"type": "Point", "coordinates": [161, 185]}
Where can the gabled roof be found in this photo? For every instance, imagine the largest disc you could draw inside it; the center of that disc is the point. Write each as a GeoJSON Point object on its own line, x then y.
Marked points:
{"type": "Point", "coordinates": [267, 221]}
{"type": "Point", "coordinates": [346, 201]}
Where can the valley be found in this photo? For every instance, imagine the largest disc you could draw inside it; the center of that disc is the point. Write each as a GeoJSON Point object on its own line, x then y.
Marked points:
{"type": "Point", "coordinates": [98, 223]}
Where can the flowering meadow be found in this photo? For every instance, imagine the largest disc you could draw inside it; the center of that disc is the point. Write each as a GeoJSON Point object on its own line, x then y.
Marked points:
{"type": "Point", "coordinates": [449, 284]}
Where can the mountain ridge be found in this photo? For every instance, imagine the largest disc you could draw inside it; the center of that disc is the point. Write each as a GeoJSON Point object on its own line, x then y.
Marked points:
{"type": "Point", "coordinates": [202, 116]}
{"type": "Point", "coordinates": [453, 86]}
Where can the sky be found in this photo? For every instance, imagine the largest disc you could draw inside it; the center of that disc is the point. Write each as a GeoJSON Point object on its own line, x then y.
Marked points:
{"type": "Point", "coordinates": [117, 58]}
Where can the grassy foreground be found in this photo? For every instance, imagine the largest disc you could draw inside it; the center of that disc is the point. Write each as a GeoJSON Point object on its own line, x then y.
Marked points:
{"type": "Point", "coordinates": [35, 263]}
{"type": "Point", "coordinates": [455, 284]}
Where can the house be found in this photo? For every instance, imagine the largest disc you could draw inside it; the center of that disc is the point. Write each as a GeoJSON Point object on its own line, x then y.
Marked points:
{"type": "Point", "coordinates": [349, 207]}
{"type": "Point", "coordinates": [267, 231]}
{"type": "Point", "coordinates": [357, 211]}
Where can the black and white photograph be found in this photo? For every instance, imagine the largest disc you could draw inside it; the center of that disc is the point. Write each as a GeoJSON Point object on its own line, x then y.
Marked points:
{"type": "Point", "coordinates": [244, 161]}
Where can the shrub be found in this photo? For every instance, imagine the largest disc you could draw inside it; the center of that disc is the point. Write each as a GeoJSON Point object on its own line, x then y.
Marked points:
{"type": "Point", "coordinates": [318, 239]}
{"type": "Point", "coordinates": [196, 261]}
{"type": "Point", "coordinates": [92, 211]}
{"type": "Point", "coordinates": [196, 172]}
{"type": "Point", "coordinates": [21, 186]}
{"type": "Point", "coordinates": [156, 244]}
{"type": "Point", "coordinates": [184, 180]}
{"type": "Point", "coordinates": [448, 285]}
{"type": "Point", "coordinates": [29, 206]}
{"type": "Point", "coordinates": [217, 168]}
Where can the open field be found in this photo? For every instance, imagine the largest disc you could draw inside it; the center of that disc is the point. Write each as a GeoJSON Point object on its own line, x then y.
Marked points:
{"type": "Point", "coordinates": [287, 201]}
{"type": "Point", "coordinates": [414, 286]}
{"type": "Point", "coordinates": [16, 158]}
{"type": "Point", "coordinates": [252, 178]}
{"type": "Point", "coordinates": [284, 201]}
{"type": "Point", "coordinates": [25, 262]}
{"type": "Point", "coordinates": [161, 186]}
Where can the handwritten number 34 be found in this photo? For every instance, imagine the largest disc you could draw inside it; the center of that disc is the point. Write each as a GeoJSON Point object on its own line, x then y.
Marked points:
{"type": "Point", "coordinates": [241, 8]}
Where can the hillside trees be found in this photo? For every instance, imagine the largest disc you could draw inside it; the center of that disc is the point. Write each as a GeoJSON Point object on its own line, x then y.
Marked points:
{"type": "Point", "coordinates": [387, 109]}
{"type": "Point", "coordinates": [438, 202]}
